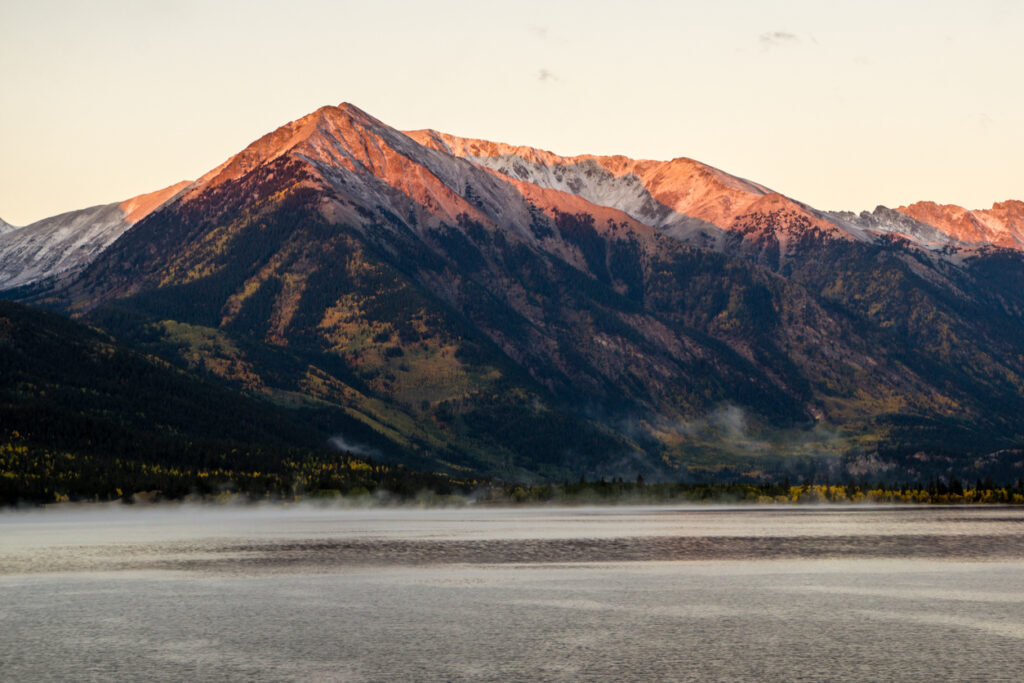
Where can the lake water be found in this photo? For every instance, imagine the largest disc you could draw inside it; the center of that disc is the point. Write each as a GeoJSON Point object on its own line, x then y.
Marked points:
{"type": "Point", "coordinates": [634, 594]}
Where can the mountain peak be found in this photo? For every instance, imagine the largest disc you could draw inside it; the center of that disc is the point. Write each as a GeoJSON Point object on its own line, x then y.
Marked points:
{"type": "Point", "coordinates": [350, 109]}
{"type": "Point", "coordinates": [318, 135]}
{"type": "Point", "coordinates": [344, 115]}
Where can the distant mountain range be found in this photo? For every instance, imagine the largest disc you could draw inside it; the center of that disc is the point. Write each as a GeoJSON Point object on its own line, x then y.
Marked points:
{"type": "Point", "coordinates": [508, 311]}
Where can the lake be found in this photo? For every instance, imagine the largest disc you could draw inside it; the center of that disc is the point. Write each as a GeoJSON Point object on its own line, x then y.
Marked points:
{"type": "Point", "coordinates": [525, 594]}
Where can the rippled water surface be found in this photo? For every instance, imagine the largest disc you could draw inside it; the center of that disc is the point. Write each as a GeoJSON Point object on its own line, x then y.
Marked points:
{"type": "Point", "coordinates": [519, 594]}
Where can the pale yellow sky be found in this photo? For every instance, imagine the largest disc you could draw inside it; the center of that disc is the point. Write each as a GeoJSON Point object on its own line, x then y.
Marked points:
{"type": "Point", "coordinates": [843, 105]}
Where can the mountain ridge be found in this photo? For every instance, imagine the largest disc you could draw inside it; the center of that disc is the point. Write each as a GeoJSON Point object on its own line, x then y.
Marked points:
{"type": "Point", "coordinates": [720, 202]}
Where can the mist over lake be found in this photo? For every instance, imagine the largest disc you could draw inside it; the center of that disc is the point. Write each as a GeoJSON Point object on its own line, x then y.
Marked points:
{"type": "Point", "coordinates": [273, 593]}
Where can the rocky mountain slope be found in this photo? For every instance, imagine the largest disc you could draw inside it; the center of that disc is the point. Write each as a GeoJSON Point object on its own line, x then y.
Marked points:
{"type": "Point", "coordinates": [509, 311]}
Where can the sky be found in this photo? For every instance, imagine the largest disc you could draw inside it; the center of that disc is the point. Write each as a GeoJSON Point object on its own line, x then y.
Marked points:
{"type": "Point", "coordinates": [843, 105]}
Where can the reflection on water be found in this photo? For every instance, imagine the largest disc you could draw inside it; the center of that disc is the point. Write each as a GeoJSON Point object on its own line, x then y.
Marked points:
{"type": "Point", "coordinates": [519, 594]}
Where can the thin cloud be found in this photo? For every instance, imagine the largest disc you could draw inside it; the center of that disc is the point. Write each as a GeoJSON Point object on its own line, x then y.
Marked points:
{"type": "Point", "coordinates": [980, 121]}
{"type": "Point", "coordinates": [773, 39]}
{"type": "Point", "coordinates": [539, 31]}
{"type": "Point", "coordinates": [545, 76]}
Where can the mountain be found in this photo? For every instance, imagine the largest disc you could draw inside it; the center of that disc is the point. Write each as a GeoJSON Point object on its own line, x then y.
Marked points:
{"type": "Point", "coordinates": [60, 246]}
{"type": "Point", "coordinates": [82, 416]}
{"type": "Point", "coordinates": [5, 226]}
{"type": "Point", "coordinates": [508, 311]}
